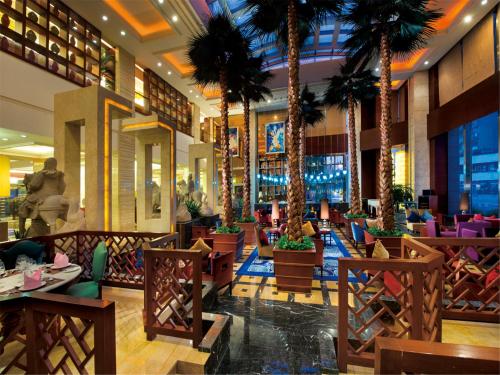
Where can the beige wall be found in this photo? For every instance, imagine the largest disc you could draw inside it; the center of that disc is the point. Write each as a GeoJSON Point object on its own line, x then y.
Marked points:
{"type": "Point", "coordinates": [468, 63]}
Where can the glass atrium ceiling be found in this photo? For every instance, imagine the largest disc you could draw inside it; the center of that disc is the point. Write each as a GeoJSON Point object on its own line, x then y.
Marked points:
{"type": "Point", "coordinates": [325, 44]}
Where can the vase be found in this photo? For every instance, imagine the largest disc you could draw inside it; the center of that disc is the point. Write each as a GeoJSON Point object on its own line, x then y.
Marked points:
{"type": "Point", "coordinates": [31, 56]}
{"type": "Point", "coordinates": [5, 43]}
{"type": "Point", "coordinates": [33, 17]}
{"type": "Point", "coordinates": [31, 36]}
{"type": "Point", "coordinates": [5, 20]}
{"type": "Point", "coordinates": [72, 75]}
{"type": "Point", "coordinates": [72, 58]}
{"type": "Point", "coordinates": [55, 48]}
{"type": "Point", "coordinates": [54, 67]}
{"type": "Point", "coordinates": [54, 30]}
{"type": "Point", "coordinates": [72, 41]}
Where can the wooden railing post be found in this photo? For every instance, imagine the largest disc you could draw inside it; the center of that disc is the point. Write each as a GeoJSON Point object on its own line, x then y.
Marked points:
{"type": "Point", "coordinates": [105, 342]}
{"type": "Point", "coordinates": [197, 302]}
{"type": "Point", "coordinates": [343, 315]}
{"type": "Point", "coordinates": [417, 303]}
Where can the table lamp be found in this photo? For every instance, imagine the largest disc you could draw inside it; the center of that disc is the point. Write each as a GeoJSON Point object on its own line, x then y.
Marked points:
{"type": "Point", "coordinates": [275, 212]}
{"type": "Point", "coordinates": [325, 212]}
{"type": "Point", "coordinates": [464, 202]}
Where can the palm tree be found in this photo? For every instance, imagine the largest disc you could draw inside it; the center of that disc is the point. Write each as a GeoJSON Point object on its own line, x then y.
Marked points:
{"type": "Point", "coordinates": [381, 29]}
{"type": "Point", "coordinates": [310, 115]}
{"type": "Point", "coordinates": [346, 91]}
{"type": "Point", "coordinates": [291, 21]}
{"type": "Point", "coordinates": [216, 53]}
{"type": "Point", "coordinates": [250, 88]}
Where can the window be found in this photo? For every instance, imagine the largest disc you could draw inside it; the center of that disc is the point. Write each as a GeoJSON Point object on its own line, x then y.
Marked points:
{"type": "Point", "coordinates": [473, 165]}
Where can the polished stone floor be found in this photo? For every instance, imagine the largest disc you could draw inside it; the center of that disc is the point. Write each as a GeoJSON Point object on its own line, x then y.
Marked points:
{"type": "Point", "coordinates": [275, 337]}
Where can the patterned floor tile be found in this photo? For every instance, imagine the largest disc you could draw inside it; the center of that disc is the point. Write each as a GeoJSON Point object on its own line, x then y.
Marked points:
{"type": "Point", "coordinates": [271, 293]}
{"type": "Point", "coordinates": [251, 279]}
{"type": "Point", "coordinates": [316, 297]}
{"type": "Point", "coordinates": [242, 290]}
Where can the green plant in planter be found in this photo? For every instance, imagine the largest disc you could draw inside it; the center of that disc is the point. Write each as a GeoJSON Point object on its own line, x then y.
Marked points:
{"type": "Point", "coordinates": [356, 216]}
{"type": "Point", "coordinates": [193, 208]}
{"type": "Point", "coordinates": [285, 244]}
{"type": "Point", "coordinates": [247, 219]}
{"type": "Point", "coordinates": [228, 230]}
{"type": "Point", "coordinates": [401, 194]}
{"type": "Point", "coordinates": [385, 233]}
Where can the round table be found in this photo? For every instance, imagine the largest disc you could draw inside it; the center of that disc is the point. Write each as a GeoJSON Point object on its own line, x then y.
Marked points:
{"type": "Point", "coordinates": [54, 279]}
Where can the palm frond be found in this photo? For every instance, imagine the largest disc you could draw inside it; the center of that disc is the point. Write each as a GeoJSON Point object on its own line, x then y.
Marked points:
{"type": "Point", "coordinates": [310, 107]}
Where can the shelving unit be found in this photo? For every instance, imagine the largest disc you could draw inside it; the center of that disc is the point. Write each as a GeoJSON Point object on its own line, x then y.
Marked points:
{"type": "Point", "coordinates": [326, 177]}
{"type": "Point", "coordinates": [167, 102]}
{"type": "Point", "coordinates": [272, 179]}
{"type": "Point", "coordinates": [48, 34]}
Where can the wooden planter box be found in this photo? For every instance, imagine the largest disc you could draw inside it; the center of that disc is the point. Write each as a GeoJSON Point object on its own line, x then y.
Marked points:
{"type": "Point", "coordinates": [294, 269]}
{"type": "Point", "coordinates": [392, 244]}
{"type": "Point", "coordinates": [229, 242]}
{"type": "Point", "coordinates": [249, 229]}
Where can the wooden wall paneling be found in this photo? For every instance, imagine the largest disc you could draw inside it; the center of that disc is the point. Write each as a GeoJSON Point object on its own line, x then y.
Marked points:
{"type": "Point", "coordinates": [480, 100]}
{"type": "Point", "coordinates": [450, 75]}
{"type": "Point", "coordinates": [439, 170]}
{"type": "Point", "coordinates": [478, 53]}
{"type": "Point", "coordinates": [434, 87]}
{"type": "Point", "coordinates": [368, 173]}
{"type": "Point", "coordinates": [370, 139]}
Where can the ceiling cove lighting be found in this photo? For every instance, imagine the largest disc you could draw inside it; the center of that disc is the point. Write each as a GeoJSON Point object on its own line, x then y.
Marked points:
{"type": "Point", "coordinates": [104, 18]}
{"type": "Point", "coordinates": [468, 18]}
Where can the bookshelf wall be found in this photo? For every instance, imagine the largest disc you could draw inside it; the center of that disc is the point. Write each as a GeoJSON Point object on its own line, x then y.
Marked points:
{"type": "Point", "coordinates": [167, 102]}
{"type": "Point", "coordinates": [272, 182]}
{"type": "Point", "coordinates": [50, 35]}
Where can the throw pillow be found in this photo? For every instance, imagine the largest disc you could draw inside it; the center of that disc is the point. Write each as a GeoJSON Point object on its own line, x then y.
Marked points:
{"type": "Point", "coordinates": [413, 218]}
{"type": "Point", "coordinates": [201, 245]}
{"type": "Point", "coordinates": [406, 235]}
{"type": "Point", "coordinates": [379, 251]}
{"type": "Point", "coordinates": [372, 223]}
{"type": "Point", "coordinates": [426, 216]}
{"type": "Point", "coordinates": [490, 217]}
{"type": "Point", "coordinates": [263, 238]}
{"type": "Point", "coordinates": [478, 217]}
{"type": "Point", "coordinates": [308, 230]}
{"type": "Point", "coordinates": [498, 234]}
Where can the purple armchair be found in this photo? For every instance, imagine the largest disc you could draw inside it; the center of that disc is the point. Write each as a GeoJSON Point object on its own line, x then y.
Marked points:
{"type": "Point", "coordinates": [479, 226]}
{"type": "Point", "coordinates": [460, 218]}
{"type": "Point", "coordinates": [434, 230]}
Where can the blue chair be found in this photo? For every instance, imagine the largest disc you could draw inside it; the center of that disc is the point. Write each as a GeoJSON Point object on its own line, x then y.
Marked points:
{"type": "Point", "coordinates": [358, 234]}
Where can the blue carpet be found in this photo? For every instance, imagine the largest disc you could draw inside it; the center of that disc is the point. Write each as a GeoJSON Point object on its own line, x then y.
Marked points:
{"type": "Point", "coordinates": [255, 266]}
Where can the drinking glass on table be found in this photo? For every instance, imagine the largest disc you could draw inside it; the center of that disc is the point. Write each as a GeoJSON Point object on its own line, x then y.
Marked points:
{"type": "Point", "coordinates": [24, 262]}
{"type": "Point", "coordinates": [2, 268]}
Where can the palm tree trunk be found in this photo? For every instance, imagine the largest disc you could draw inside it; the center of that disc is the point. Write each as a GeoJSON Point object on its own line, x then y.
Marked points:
{"type": "Point", "coordinates": [353, 160]}
{"type": "Point", "coordinates": [227, 201]}
{"type": "Point", "coordinates": [302, 154]}
{"type": "Point", "coordinates": [385, 163]}
{"type": "Point", "coordinates": [246, 158]}
{"type": "Point", "coordinates": [293, 197]}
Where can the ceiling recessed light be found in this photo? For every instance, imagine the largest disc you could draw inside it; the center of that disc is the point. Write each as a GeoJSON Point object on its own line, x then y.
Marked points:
{"type": "Point", "coordinates": [269, 100]}
{"type": "Point", "coordinates": [467, 18]}
{"type": "Point", "coordinates": [5, 139]}
{"type": "Point", "coordinates": [104, 17]}
{"type": "Point", "coordinates": [484, 2]}
{"type": "Point", "coordinates": [175, 18]}
{"type": "Point", "coordinates": [23, 136]}
{"type": "Point", "coordinates": [426, 62]}
{"type": "Point", "coordinates": [123, 33]}
{"type": "Point", "coordinates": [159, 64]}
{"type": "Point", "coordinates": [197, 96]}
{"type": "Point", "coordinates": [377, 69]}
{"type": "Point", "coordinates": [160, 1]}
{"type": "Point", "coordinates": [169, 72]}
{"type": "Point", "coordinates": [190, 91]}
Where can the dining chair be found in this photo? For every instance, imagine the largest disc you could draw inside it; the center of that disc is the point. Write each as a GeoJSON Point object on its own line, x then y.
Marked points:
{"type": "Point", "coordinates": [92, 288]}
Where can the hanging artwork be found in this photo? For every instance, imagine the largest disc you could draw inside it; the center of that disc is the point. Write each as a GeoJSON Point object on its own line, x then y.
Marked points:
{"type": "Point", "coordinates": [234, 142]}
{"type": "Point", "coordinates": [275, 138]}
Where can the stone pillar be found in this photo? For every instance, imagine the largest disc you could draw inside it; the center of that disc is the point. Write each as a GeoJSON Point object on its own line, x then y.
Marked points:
{"type": "Point", "coordinates": [418, 144]}
{"type": "Point", "coordinates": [196, 123]}
{"type": "Point", "coordinates": [124, 193]}
{"type": "Point", "coordinates": [205, 151]}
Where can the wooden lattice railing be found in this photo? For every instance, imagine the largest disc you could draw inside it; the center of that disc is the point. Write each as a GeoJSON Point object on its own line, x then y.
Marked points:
{"type": "Point", "coordinates": [125, 266]}
{"type": "Point", "coordinates": [393, 356]}
{"type": "Point", "coordinates": [49, 333]}
{"type": "Point", "coordinates": [173, 293]}
{"type": "Point", "coordinates": [471, 277]}
{"type": "Point", "coordinates": [386, 301]}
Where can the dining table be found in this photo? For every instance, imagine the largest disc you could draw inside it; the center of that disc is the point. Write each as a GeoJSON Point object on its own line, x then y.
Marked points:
{"type": "Point", "coordinates": [12, 281]}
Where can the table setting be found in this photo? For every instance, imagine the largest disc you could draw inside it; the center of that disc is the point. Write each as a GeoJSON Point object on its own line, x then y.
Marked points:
{"type": "Point", "coordinates": [29, 276]}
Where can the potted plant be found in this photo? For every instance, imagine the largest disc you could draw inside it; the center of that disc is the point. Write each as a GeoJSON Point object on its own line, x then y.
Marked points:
{"type": "Point", "coordinates": [247, 224]}
{"type": "Point", "coordinates": [391, 239]}
{"type": "Point", "coordinates": [294, 264]}
{"type": "Point", "coordinates": [229, 239]}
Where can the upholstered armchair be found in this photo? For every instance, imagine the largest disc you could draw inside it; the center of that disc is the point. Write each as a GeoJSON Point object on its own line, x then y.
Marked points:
{"type": "Point", "coordinates": [479, 226]}
{"type": "Point", "coordinates": [434, 230]}
{"type": "Point", "coordinates": [358, 234]}
{"type": "Point", "coordinates": [263, 249]}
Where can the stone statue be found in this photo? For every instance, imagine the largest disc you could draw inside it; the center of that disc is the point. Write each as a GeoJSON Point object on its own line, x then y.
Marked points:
{"type": "Point", "coordinates": [182, 214]}
{"type": "Point", "coordinates": [201, 197]}
{"type": "Point", "coordinates": [190, 185]}
{"type": "Point", "coordinates": [44, 203]}
{"type": "Point", "coordinates": [182, 189]}
{"type": "Point", "coordinates": [75, 218]}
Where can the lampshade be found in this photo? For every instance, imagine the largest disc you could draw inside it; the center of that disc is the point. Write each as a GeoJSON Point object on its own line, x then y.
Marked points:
{"type": "Point", "coordinates": [464, 201]}
{"type": "Point", "coordinates": [325, 210]}
{"type": "Point", "coordinates": [275, 213]}
{"type": "Point", "coordinates": [4, 177]}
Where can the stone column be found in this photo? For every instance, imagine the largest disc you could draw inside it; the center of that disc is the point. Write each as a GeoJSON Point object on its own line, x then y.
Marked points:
{"type": "Point", "coordinates": [418, 144]}
{"type": "Point", "coordinates": [196, 123]}
{"type": "Point", "coordinates": [254, 156]}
